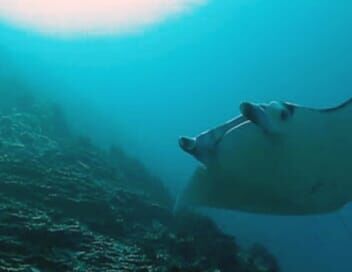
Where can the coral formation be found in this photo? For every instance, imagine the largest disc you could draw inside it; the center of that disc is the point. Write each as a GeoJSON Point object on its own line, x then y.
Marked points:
{"type": "Point", "coordinates": [66, 205]}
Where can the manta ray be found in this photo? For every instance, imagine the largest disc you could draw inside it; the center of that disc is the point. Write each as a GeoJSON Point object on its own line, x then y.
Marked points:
{"type": "Point", "coordinates": [274, 158]}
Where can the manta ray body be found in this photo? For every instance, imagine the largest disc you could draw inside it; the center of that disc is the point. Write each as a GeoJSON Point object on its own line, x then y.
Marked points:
{"type": "Point", "coordinates": [275, 158]}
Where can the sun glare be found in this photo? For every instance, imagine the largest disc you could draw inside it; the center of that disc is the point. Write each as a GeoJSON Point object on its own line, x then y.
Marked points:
{"type": "Point", "coordinates": [90, 16]}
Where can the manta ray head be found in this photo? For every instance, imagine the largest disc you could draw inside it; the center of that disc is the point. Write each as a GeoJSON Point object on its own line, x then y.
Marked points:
{"type": "Point", "coordinates": [272, 118]}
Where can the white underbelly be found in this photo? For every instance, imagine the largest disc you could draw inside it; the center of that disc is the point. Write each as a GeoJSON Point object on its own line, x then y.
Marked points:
{"type": "Point", "coordinates": [315, 176]}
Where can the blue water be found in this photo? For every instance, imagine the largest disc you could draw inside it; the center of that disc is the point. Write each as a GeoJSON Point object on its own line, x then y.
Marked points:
{"type": "Point", "coordinates": [190, 73]}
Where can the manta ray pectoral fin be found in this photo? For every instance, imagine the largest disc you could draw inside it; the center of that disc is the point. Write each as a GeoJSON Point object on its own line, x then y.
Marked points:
{"type": "Point", "coordinates": [256, 114]}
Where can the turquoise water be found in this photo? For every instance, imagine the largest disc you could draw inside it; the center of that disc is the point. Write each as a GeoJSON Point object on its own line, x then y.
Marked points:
{"type": "Point", "coordinates": [189, 73]}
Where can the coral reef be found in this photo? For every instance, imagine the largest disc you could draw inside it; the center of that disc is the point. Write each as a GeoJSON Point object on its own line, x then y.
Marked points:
{"type": "Point", "coordinates": [66, 205]}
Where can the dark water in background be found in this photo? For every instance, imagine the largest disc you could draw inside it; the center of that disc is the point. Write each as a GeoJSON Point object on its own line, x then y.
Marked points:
{"type": "Point", "coordinates": [190, 73]}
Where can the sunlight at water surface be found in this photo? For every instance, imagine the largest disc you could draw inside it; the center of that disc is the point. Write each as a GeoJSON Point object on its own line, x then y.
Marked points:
{"type": "Point", "coordinates": [91, 16]}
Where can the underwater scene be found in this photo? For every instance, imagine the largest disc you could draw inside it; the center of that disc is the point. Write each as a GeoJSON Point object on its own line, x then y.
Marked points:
{"type": "Point", "coordinates": [175, 136]}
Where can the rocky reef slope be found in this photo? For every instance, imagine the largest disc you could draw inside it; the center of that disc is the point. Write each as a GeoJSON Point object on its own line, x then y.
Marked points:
{"type": "Point", "coordinates": [66, 205]}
